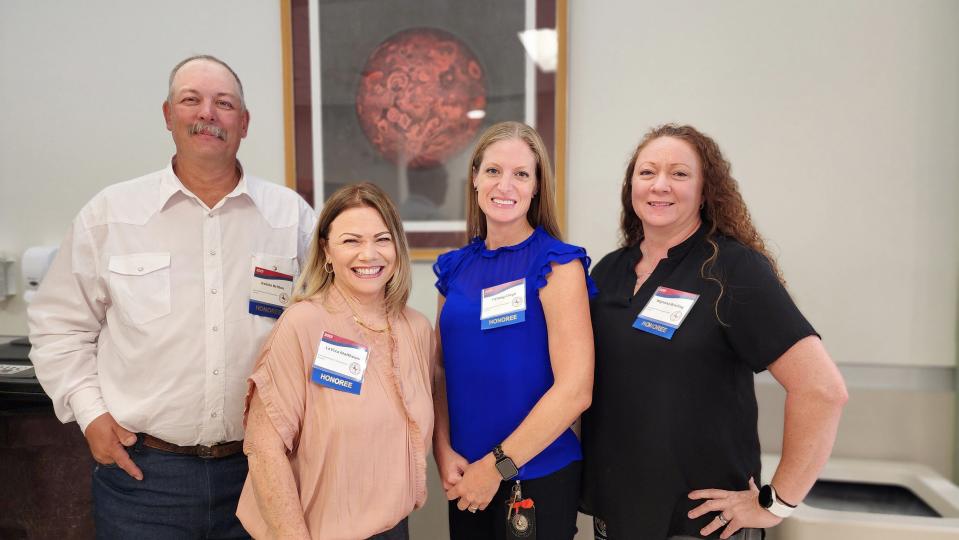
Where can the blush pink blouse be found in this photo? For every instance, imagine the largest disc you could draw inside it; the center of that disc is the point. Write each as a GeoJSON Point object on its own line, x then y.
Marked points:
{"type": "Point", "coordinates": [359, 460]}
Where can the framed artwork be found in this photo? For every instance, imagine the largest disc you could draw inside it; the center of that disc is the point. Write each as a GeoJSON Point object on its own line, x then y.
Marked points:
{"type": "Point", "coordinates": [397, 92]}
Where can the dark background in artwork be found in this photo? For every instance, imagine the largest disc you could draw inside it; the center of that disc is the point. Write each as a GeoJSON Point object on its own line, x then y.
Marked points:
{"type": "Point", "coordinates": [351, 30]}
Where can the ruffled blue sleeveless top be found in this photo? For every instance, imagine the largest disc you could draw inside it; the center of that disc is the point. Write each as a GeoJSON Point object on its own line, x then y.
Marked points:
{"type": "Point", "coordinates": [494, 377]}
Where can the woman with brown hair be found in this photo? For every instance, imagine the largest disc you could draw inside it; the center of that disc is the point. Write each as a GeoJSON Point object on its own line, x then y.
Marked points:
{"type": "Point", "coordinates": [517, 351]}
{"type": "Point", "coordinates": [690, 307]}
{"type": "Point", "coordinates": [339, 411]}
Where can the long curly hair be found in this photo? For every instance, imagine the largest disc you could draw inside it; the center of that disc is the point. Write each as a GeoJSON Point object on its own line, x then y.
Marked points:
{"type": "Point", "coordinates": [724, 210]}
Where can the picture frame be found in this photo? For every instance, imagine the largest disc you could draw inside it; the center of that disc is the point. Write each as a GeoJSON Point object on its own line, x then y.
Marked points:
{"type": "Point", "coordinates": [377, 91]}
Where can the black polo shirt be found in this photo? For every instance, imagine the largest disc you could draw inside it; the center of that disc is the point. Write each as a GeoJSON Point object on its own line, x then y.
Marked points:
{"type": "Point", "coordinates": [671, 416]}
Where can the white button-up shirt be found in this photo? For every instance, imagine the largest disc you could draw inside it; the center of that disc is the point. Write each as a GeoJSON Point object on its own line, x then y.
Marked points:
{"type": "Point", "coordinates": [145, 311]}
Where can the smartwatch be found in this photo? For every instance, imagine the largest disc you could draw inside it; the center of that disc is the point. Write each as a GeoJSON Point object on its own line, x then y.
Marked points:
{"type": "Point", "coordinates": [769, 500]}
{"type": "Point", "coordinates": [507, 469]}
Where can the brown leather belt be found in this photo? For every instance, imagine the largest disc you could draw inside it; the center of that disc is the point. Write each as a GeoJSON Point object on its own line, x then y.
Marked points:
{"type": "Point", "coordinates": [216, 451]}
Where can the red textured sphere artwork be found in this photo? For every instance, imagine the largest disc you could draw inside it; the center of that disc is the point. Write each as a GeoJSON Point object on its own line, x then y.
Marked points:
{"type": "Point", "coordinates": [414, 95]}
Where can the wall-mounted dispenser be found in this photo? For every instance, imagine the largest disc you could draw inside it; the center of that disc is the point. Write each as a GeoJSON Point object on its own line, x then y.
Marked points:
{"type": "Point", "coordinates": [8, 286]}
{"type": "Point", "coordinates": [36, 262]}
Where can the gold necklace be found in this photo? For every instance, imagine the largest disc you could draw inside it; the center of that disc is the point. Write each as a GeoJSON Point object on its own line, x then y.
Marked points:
{"type": "Point", "coordinates": [357, 320]}
{"type": "Point", "coordinates": [387, 330]}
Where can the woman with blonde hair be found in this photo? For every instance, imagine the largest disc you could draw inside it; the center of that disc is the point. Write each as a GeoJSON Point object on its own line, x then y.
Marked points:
{"type": "Point", "coordinates": [690, 307]}
{"type": "Point", "coordinates": [517, 358]}
{"type": "Point", "coordinates": [339, 411]}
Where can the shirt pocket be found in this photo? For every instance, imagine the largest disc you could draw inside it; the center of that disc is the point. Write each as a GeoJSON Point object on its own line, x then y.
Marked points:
{"type": "Point", "coordinates": [140, 285]}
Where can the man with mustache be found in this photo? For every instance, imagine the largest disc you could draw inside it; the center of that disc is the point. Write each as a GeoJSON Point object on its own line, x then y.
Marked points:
{"type": "Point", "coordinates": [148, 322]}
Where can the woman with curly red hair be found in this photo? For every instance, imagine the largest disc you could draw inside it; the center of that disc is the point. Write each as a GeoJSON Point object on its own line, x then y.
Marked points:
{"type": "Point", "coordinates": [689, 308]}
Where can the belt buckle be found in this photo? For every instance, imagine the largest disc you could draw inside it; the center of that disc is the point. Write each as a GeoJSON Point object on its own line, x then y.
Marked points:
{"type": "Point", "coordinates": [205, 452]}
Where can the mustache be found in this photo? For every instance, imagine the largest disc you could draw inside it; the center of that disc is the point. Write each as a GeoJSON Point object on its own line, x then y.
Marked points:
{"type": "Point", "coordinates": [208, 129]}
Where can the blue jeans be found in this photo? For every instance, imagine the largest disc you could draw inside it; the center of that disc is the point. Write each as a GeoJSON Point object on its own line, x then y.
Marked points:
{"type": "Point", "coordinates": [180, 497]}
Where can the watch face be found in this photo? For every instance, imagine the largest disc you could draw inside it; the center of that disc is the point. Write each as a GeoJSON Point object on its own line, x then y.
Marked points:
{"type": "Point", "coordinates": [507, 469]}
{"type": "Point", "coordinates": [766, 496]}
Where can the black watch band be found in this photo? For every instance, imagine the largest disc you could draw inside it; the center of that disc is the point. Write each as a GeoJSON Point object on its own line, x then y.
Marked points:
{"type": "Point", "coordinates": [507, 469]}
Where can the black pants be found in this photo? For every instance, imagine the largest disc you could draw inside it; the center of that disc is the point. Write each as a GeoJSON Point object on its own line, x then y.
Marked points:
{"type": "Point", "coordinates": [599, 533]}
{"type": "Point", "coordinates": [555, 496]}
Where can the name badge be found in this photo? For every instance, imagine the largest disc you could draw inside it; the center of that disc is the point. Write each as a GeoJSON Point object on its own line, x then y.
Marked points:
{"type": "Point", "coordinates": [665, 311]}
{"type": "Point", "coordinates": [270, 293]}
{"type": "Point", "coordinates": [340, 364]}
{"type": "Point", "coordinates": [503, 305]}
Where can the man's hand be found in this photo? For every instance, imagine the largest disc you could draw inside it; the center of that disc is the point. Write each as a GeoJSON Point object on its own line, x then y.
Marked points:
{"type": "Point", "coordinates": [107, 440]}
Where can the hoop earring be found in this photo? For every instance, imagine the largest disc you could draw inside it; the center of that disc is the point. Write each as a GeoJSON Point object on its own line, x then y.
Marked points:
{"type": "Point", "coordinates": [328, 267]}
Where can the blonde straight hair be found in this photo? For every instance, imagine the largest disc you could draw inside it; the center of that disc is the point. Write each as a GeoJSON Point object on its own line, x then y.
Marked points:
{"type": "Point", "coordinates": [314, 279]}
{"type": "Point", "coordinates": [542, 209]}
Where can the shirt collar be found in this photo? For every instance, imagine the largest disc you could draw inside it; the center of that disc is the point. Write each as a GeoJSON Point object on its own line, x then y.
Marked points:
{"type": "Point", "coordinates": [677, 251]}
{"type": "Point", "coordinates": [479, 244]}
{"type": "Point", "coordinates": [681, 249]}
{"type": "Point", "coordinates": [170, 184]}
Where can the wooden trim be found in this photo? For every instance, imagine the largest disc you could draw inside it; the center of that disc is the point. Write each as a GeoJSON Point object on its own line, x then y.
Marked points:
{"type": "Point", "coordinates": [286, 36]}
{"type": "Point", "coordinates": [427, 254]}
{"type": "Point", "coordinates": [560, 112]}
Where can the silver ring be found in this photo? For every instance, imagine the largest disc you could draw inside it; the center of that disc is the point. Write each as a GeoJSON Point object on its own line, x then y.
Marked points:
{"type": "Point", "coordinates": [473, 509]}
{"type": "Point", "coordinates": [722, 519]}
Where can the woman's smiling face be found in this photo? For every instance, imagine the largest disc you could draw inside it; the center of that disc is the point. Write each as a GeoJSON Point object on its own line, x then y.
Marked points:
{"type": "Point", "coordinates": [362, 252]}
{"type": "Point", "coordinates": [506, 181]}
{"type": "Point", "coordinates": [667, 189]}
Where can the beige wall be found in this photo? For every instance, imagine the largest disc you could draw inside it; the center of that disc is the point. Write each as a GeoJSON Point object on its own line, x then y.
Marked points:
{"type": "Point", "coordinates": [841, 121]}
{"type": "Point", "coordinates": [840, 118]}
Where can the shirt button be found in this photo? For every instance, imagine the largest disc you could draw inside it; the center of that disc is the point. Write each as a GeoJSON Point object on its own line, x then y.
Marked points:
{"type": "Point", "coordinates": [213, 414]}
{"type": "Point", "coordinates": [139, 268]}
{"type": "Point", "coordinates": [216, 372]}
{"type": "Point", "coordinates": [212, 291]}
{"type": "Point", "coordinates": [215, 328]}
{"type": "Point", "coordinates": [210, 214]}
{"type": "Point", "coordinates": [212, 252]}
